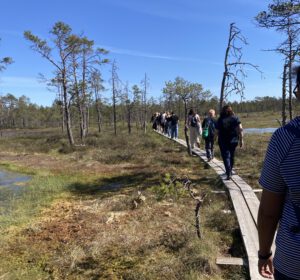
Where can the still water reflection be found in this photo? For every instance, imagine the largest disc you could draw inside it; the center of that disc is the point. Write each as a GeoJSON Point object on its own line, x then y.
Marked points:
{"type": "Point", "coordinates": [260, 130]}
{"type": "Point", "coordinates": [11, 186]}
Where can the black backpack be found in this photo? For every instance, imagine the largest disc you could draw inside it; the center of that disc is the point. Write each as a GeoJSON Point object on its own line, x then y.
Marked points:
{"type": "Point", "coordinates": [194, 122]}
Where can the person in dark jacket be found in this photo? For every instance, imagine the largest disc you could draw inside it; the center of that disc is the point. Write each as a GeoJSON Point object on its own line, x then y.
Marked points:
{"type": "Point", "coordinates": [174, 120]}
{"type": "Point", "coordinates": [208, 133]}
{"type": "Point", "coordinates": [230, 134]}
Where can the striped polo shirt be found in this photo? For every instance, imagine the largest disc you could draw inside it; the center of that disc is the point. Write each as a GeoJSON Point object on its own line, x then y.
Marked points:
{"type": "Point", "coordinates": [281, 174]}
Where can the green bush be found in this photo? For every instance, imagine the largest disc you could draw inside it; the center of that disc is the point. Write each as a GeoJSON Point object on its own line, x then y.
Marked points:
{"type": "Point", "coordinates": [168, 189]}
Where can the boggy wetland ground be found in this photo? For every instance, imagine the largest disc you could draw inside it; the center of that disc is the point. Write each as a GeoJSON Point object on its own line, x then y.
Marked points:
{"type": "Point", "coordinates": [76, 218]}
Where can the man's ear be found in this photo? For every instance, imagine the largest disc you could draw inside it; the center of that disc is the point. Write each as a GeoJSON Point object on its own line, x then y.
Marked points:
{"type": "Point", "coordinates": [297, 91]}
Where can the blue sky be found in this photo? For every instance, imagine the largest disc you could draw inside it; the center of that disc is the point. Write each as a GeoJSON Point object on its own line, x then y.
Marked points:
{"type": "Point", "coordinates": [163, 38]}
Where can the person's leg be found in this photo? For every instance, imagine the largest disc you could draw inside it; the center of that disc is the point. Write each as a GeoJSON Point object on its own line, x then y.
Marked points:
{"type": "Point", "coordinates": [176, 131]}
{"type": "Point", "coordinates": [193, 137]}
{"type": "Point", "coordinates": [198, 142]}
{"type": "Point", "coordinates": [198, 139]}
{"type": "Point", "coordinates": [208, 148]}
{"type": "Point", "coordinates": [225, 152]}
{"type": "Point", "coordinates": [172, 131]}
{"type": "Point", "coordinates": [212, 144]}
{"type": "Point", "coordinates": [232, 151]}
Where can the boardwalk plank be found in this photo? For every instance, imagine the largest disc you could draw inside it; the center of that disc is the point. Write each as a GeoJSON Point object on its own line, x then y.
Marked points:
{"type": "Point", "coordinates": [245, 204]}
{"type": "Point", "coordinates": [231, 261]}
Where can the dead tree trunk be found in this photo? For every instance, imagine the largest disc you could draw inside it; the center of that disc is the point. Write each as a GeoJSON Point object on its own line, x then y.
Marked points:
{"type": "Point", "coordinates": [225, 73]}
{"type": "Point", "coordinates": [234, 74]}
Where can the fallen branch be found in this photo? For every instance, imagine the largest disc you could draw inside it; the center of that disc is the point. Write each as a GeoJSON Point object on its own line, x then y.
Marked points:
{"type": "Point", "coordinates": [187, 184]}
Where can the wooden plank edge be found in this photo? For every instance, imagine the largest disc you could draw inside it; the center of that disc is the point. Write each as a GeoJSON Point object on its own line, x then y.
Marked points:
{"type": "Point", "coordinates": [231, 261]}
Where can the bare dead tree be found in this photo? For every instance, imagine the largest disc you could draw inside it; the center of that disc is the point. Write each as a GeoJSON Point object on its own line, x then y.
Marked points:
{"type": "Point", "coordinates": [234, 74]}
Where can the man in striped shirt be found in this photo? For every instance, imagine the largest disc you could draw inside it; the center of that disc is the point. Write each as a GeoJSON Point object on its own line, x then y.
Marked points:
{"type": "Point", "coordinates": [280, 203]}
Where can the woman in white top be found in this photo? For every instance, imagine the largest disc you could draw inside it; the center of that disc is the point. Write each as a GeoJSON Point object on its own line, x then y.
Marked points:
{"type": "Point", "coordinates": [194, 125]}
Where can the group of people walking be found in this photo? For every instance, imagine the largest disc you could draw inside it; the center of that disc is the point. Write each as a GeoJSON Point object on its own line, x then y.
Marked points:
{"type": "Point", "coordinates": [280, 202]}
{"type": "Point", "coordinates": [227, 128]}
{"type": "Point", "coordinates": [166, 123]}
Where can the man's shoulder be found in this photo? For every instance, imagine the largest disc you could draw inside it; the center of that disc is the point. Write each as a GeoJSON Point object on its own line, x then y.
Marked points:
{"type": "Point", "coordinates": [290, 130]}
{"type": "Point", "coordinates": [283, 138]}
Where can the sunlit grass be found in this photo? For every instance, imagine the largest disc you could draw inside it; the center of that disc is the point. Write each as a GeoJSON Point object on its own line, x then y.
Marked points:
{"type": "Point", "coordinates": [22, 205]}
{"type": "Point", "coordinates": [75, 218]}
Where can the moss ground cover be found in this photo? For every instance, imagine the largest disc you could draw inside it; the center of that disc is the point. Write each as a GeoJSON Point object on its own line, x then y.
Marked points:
{"type": "Point", "coordinates": [76, 218]}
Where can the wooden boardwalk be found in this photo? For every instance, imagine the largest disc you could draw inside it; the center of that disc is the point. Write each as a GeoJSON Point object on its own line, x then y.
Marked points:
{"type": "Point", "coordinates": [245, 204]}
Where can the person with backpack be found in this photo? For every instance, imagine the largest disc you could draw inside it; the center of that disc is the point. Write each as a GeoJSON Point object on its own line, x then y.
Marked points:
{"type": "Point", "coordinates": [280, 202]}
{"type": "Point", "coordinates": [230, 134]}
{"type": "Point", "coordinates": [194, 125]}
{"type": "Point", "coordinates": [208, 133]}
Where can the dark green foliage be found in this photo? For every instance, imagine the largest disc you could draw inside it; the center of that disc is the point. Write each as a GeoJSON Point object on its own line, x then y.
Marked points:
{"type": "Point", "coordinates": [169, 189]}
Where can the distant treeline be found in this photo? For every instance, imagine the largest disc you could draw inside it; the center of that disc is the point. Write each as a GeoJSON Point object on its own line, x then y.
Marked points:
{"type": "Point", "coordinates": [21, 113]}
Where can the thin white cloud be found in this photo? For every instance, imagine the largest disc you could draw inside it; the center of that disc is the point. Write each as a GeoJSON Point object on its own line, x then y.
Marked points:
{"type": "Point", "coordinates": [17, 81]}
{"type": "Point", "coordinates": [156, 56]}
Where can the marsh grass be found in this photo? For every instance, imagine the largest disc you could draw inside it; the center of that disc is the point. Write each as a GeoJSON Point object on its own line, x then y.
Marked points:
{"type": "Point", "coordinates": [260, 119]}
{"type": "Point", "coordinates": [249, 160]}
{"type": "Point", "coordinates": [75, 220]}
{"type": "Point", "coordinates": [22, 205]}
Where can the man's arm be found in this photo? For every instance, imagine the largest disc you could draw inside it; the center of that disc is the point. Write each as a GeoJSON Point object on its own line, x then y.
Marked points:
{"type": "Point", "coordinates": [241, 135]}
{"type": "Point", "coordinates": [270, 209]}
